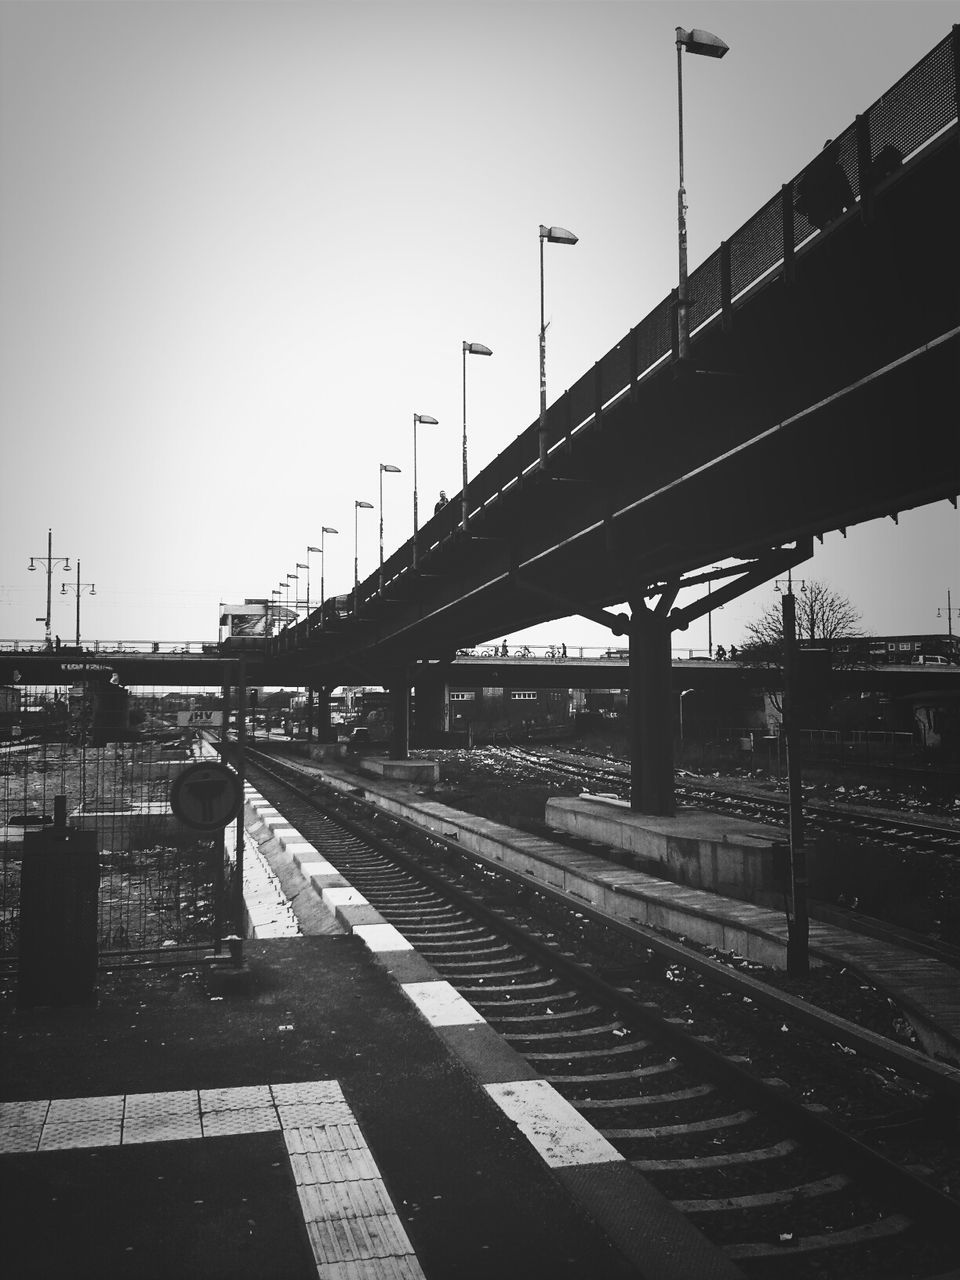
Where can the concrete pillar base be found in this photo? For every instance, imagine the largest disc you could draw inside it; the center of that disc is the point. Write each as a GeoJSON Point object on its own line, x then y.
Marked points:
{"type": "Point", "coordinates": [728, 856]}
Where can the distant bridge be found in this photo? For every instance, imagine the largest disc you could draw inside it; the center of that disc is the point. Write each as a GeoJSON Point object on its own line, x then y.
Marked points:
{"type": "Point", "coordinates": [200, 664]}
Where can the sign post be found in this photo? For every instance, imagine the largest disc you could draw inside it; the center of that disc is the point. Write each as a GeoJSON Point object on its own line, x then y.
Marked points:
{"type": "Point", "coordinates": [206, 796]}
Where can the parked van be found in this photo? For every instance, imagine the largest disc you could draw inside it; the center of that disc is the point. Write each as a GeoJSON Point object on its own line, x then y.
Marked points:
{"type": "Point", "coordinates": [929, 660]}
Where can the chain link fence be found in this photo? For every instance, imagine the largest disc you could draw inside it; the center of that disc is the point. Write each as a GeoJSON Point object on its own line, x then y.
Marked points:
{"type": "Point", "coordinates": [113, 754]}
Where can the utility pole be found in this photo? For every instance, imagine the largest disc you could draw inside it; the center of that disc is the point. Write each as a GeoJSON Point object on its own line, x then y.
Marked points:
{"type": "Point", "coordinates": [950, 613]}
{"type": "Point", "coordinates": [798, 922]}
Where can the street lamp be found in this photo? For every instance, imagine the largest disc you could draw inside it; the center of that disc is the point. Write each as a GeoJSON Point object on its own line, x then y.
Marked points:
{"type": "Point", "coordinates": [432, 422]}
{"type": "Point", "coordinates": [384, 466]}
{"type": "Point", "coordinates": [296, 592]}
{"type": "Point", "coordinates": [683, 694]}
{"type": "Point", "coordinates": [49, 560]}
{"type": "Point", "coordinates": [711, 46]}
{"type": "Point", "coordinates": [324, 530]}
{"type": "Point", "coordinates": [275, 605]}
{"type": "Point", "coordinates": [79, 588]}
{"type": "Point", "coordinates": [367, 506]}
{"type": "Point", "coordinates": [555, 235]}
{"type": "Point", "coordinates": [300, 565]}
{"type": "Point", "coordinates": [469, 349]}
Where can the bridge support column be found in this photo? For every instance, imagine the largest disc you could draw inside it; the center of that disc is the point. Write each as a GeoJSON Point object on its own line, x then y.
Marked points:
{"type": "Point", "coordinates": [430, 712]}
{"type": "Point", "coordinates": [324, 727]}
{"type": "Point", "coordinates": [400, 696]}
{"type": "Point", "coordinates": [651, 729]}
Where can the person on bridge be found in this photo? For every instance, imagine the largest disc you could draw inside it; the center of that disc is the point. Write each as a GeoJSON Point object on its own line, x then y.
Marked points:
{"type": "Point", "coordinates": [440, 504]}
{"type": "Point", "coordinates": [721, 653]}
{"type": "Point", "coordinates": [823, 191]}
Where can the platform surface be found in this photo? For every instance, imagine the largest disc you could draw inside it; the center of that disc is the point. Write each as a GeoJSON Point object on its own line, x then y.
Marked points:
{"type": "Point", "coordinates": [150, 1136]}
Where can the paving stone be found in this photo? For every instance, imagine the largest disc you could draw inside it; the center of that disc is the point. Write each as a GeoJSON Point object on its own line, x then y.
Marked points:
{"type": "Point", "coordinates": [219, 1124]}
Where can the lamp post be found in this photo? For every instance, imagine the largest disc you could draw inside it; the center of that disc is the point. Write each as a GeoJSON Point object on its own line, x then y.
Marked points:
{"type": "Point", "coordinates": [469, 349]}
{"type": "Point", "coordinates": [300, 565]}
{"type": "Point", "coordinates": [554, 235]}
{"type": "Point", "coordinates": [950, 611]}
{"type": "Point", "coordinates": [417, 418]}
{"type": "Point", "coordinates": [711, 46]}
{"type": "Point", "coordinates": [325, 529]}
{"type": "Point", "coordinates": [367, 506]}
{"type": "Point", "coordinates": [49, 560]}
{"type": "Point", "coordinates": [296, 592]}
{"type": "Point", "coordinates": [384, 466]}
{"type": "Point", "coordinates": [79, 587]}
{"type": "Point", "coordinates": [275, 605]}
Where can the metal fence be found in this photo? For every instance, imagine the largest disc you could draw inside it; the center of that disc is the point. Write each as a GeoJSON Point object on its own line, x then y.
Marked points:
{"type": "Point", "coordinates": [112, 754]}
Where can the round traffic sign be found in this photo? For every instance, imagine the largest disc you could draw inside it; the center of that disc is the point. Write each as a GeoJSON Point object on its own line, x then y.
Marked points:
{"type": "Point", "coordinates": [206, 796]}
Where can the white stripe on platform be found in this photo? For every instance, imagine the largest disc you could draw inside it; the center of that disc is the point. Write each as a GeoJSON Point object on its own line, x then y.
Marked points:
{"type": "Point", "coordinates": [441, 1004]}
{"type": "Point", "coordinates": [382, 937]}
{"type": "Point", "coordinates": [343, 896]}
{"type": "Point", "coordinates": [554, 1128]}
{"type": "Point", "coordinates": [310, 869]}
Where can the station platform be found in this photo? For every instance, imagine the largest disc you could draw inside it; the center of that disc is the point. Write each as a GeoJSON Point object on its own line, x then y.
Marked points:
{"type": "Point", "coordinates": [925, 988]}
{"type": "Point", "coordinates": [330, 1109]}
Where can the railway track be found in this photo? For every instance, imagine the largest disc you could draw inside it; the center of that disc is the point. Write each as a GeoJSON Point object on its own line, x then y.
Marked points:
{"type": "Point", "coordinates": [923, 839]}
{"type": "Point", "coordinates": [784, 1151]}
{"type": "Point", "coordinates": [883, 829]}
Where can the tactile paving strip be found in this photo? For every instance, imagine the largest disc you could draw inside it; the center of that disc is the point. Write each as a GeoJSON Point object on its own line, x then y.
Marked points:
{"type": "Point", "coordinates": [353, 1227]}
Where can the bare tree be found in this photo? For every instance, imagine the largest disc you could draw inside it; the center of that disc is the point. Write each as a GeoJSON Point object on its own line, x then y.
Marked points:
{"type": "Point", "coordinates": [822, 615]}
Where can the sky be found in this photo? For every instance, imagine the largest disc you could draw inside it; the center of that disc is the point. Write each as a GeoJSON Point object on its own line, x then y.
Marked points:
{"type": "Point", "coordinates": [241, 244]}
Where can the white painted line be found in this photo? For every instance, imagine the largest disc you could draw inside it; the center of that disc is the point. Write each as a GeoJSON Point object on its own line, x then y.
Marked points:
{"type": "Point", "coordinates": [140, 1106]}
{"type": "Point", "coordinates": [441, 1005]}
{"type": "Point", "coordinates": [218, 1124]}
{"type": "Point", "coordinates": [556, 1130]}
{"type": "Point", "coordinates": [257, 1095]}
{"type": "Point", "coordinates": [310, 869]}
{"type": "Point", "coordinates": [288, 1095]}
{"type": "Point", "coordinates": [298, 848]}
{"type": "Point", "coordinates": [382, 937]}
{"type": "Point", "coordinates": [171, 1128]}
{"type": "Point", "coordinates": [343, 896]}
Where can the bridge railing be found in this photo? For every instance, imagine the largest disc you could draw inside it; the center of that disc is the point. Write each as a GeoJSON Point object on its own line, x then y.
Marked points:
{"type": "Point", "coordinates": [912, 113]}
{"type": "Point", "coordinates": [166, 647]}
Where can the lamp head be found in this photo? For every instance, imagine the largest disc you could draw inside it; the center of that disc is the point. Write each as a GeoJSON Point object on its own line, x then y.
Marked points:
{"type": "Point", "coordinates": [476, 349]}
{"type": "Point", "coordinates": [386, 466]}
{"type": "Point", "coordinates": [368, 506]}
{"type": "Point", "coordinates": [66, 565]}
{"type": "Point", "coordinates": [557, 235]}
{"type": "Point", "coordinates": [31, 566]}
{"type": "Point", "coordinates": [93, 590]}
{"type": "Point", "coordinates": [700, 41]}
{"type": "Point", "coordinates": [425, 417]}
{"type": "Point", "coordinates": [327, 529]}
{"type": "Point", "coordinates": [302, 566]}
{"type": "Point", "coordinates": [315, 548]}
